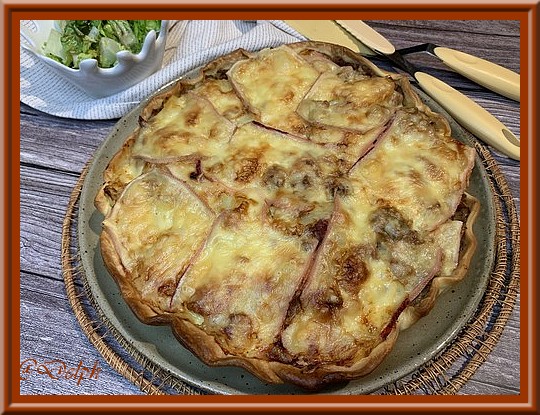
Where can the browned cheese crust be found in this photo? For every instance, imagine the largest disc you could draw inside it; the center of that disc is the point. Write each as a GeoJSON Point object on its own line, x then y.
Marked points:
{"type": "Point", "coordinates": [288, 211]}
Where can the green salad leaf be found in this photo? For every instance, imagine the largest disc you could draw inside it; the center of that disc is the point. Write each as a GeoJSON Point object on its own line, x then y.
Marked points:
{"type": "Point", "coordinates": [96, 39]}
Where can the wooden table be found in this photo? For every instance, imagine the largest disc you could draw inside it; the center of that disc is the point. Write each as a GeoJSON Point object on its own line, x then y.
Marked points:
{"type": "Point", "coordinates": [54, 151]}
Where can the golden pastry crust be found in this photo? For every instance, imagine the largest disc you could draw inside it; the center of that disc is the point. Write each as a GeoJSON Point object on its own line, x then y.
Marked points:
{"type": "Point", "coordinates": [288, 211]}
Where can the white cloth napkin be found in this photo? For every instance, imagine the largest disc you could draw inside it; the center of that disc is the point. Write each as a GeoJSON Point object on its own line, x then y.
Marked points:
{"type": "Point", "coordinates": [190, 44]}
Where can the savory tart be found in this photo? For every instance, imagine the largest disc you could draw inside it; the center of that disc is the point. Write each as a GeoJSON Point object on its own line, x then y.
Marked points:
{"type": "Point", "coordinates": [288, 211]}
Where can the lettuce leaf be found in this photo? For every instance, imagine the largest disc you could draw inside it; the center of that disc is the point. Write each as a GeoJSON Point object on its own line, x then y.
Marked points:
{"type": "Point", "coordinates": [77, 40]}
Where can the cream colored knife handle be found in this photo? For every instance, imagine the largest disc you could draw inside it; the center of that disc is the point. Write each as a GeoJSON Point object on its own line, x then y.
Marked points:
{"type": "Point", "coordinates": [492, 76]}
{"type": "Point", "coordinates": [328, 31]}
{"type": "Point", "coordinates": [470, 115]}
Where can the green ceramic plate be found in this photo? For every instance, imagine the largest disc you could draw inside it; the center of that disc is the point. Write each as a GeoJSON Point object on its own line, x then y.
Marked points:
{"type": "Point", "coordinates": [415, 346]}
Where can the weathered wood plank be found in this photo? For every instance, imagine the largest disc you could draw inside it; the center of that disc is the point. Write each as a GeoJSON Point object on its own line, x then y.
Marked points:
{"type": "Point", "coordinates": [44, 198]}
{"type": "Point", "coordinates": [50, 331]}
{"type": "Point", "coordinates": [60, 143]}
{"type": "Point", "coordinates": [492, 378]}
{"type": "Point", "coordinates": [473, 387]}
{"type": "Point", "coordinates": [493, 28]}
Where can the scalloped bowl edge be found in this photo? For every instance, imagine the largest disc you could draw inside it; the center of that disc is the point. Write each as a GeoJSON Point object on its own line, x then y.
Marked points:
{"type": "Point", "coordinates": [130, 69]}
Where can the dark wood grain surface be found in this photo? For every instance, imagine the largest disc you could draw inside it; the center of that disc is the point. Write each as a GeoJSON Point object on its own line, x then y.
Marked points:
{"type": "Point", "coordinates": [54, 151]}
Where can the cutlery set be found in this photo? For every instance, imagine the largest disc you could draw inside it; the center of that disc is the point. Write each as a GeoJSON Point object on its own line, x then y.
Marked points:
{"type": "Point", "coordinates": [361, 38]}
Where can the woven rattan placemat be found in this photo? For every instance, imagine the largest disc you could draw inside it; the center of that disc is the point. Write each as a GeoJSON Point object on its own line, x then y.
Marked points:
{"type": "Point", "coordinates": [445, 374]}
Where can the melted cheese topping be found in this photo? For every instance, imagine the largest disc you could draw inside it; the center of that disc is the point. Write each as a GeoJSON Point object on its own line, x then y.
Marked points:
{"type": "Point", "coordinates": [187, 126]}
{"type": "Point", "coordinates": [369, 264]}
{"type": "Point", "coordinates": [217, 196]}
{"type": "Point", "coordinates": [417, 169]}
{"type": "Point", "coordinates": [221, 94]}
{"type": "Point", "coordinates": [347, 145]}
{"type": "Point", "coordinates": [237, 290]}
{"type": "Point", "coordinates": [272, 85]}
{"type": "Point", "coordinates": [351, 291]}
{"type": "Point", "coordinates": [290, 179]}
{"type": "Point", "coordinates": [122, 169]}
{"type": "Point", "coordinates": [254, 149]}
{"type": "Point", "coordinates": [319, 61]}
{"type": "Point", "coordinates": [448, 237]}
{"type": "Point", "coordinates": [351, 100]}
{"type": "Point", "coordinates": [151, 222]}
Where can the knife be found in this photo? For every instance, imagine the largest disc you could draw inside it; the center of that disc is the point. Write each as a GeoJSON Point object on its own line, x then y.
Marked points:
{"type": "Point", "coordinates": [464, 110]}
{"type": "Point", "coordinates": [328, 31]}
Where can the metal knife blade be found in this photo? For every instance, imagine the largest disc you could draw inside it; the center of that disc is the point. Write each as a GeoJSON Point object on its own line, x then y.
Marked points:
{"type": "Point", "coordinates": [464, 110]}
{"type": "Point", "coordinates": [328, 31]}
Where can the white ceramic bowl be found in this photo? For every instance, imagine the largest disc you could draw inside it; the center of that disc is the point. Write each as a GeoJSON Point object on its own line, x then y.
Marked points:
{"type": "Point", "coordinates": [95, 81]}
